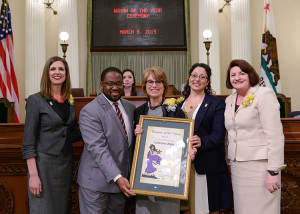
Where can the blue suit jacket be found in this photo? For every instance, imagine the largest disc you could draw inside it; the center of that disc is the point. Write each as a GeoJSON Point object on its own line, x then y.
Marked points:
{"type": "Point", "coordinates": [209, 126]}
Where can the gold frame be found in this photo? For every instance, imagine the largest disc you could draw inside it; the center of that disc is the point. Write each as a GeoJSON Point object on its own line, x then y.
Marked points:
{"type": "Point", "coordinates": [188, 124]}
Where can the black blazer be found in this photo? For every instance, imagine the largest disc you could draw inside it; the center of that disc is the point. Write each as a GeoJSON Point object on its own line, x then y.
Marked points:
{"type": "Point", "coordinates": [143, 110]}
{"type": "Point", "coordinates": [209, 126]}
{"type": "Point", "coordinates": [45, 131]}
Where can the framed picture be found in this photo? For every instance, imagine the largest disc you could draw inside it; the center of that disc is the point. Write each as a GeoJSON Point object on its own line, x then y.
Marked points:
{"type": "Point", "coordinates": [161, 164]}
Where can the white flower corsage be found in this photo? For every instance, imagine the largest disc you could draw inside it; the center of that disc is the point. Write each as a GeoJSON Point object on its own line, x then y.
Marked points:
{"type": "Point", "coordinates": [172, 103]}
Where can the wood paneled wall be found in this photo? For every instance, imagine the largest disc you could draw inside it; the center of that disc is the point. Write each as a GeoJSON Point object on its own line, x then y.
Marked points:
{"type": "Point", "coordinates": [13, 170]}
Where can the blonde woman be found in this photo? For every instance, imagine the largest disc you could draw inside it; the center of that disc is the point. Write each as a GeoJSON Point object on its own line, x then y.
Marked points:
{"type": "Point", "coordinates": [155, 84]}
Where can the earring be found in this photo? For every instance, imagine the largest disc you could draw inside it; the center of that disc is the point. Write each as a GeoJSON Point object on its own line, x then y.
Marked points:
{"type": "Point", "coordinates": [206, 88]}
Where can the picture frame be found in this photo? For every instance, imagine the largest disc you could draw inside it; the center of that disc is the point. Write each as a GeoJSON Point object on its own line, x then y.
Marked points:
{"type": "Point", "coordinates": [161, 164]}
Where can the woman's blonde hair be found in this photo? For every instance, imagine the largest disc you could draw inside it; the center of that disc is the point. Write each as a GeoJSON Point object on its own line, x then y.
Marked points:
{"type": "Point", "coordinates": [45, 86]}
{"type": "Point", "coordinates": [158, 74]}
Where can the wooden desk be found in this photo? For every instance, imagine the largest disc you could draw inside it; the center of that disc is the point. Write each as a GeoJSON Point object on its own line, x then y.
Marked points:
{"type": "Point", "coordinates": [290, 180]}
{"type": "Point", "coordinates": [13, 170]}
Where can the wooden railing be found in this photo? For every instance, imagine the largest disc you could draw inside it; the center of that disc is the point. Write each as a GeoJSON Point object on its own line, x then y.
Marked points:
{"type": "Point", "coordinates": [13, 170]}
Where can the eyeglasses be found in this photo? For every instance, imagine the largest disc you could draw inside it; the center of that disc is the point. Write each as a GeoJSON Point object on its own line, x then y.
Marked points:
{"type": "Point", "coordinates": [202, 77]}
{"type": "Point", "coordinates": [111, 84]}
{"type": "Point", "coordinates": [151, 82]}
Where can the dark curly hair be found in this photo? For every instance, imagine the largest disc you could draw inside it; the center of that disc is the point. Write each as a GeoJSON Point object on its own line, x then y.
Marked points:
{"type": "Point", "coordinates": [187, 89]}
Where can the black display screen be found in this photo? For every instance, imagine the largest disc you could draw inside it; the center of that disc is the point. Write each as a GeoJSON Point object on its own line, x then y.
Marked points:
{"type": "Point", "coordinates": [134, 24]}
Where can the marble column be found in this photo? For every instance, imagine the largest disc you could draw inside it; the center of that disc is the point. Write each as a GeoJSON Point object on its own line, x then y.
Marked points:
{"type": "Point", "coordinates": [241, 30]}
{"type": "Point", "coordinates": [34, 45]}
{"type": "Point", "coordinates": [208, 19]}
{"type": "Point", "coordinates": [67, 22]}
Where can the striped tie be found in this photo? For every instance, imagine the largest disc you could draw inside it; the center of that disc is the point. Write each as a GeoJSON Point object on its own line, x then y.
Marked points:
{"type": "Point", "coordinates": [119, 113]}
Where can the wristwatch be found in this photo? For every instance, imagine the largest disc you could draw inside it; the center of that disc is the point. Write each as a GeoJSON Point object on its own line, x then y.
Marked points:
{"type": "Point", "coordinates": [273, 173]}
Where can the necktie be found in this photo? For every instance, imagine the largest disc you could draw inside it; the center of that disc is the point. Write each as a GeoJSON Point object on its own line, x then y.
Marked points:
{"type": "Point", "coordinates": [119, 114]}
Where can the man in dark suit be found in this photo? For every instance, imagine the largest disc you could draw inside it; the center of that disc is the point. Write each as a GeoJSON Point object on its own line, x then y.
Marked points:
{"type": "Point", "coordinates": [106, 125]}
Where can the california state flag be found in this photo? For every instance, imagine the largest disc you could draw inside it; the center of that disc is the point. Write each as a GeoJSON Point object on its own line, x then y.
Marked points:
{"type": "Point", "coordinates": [269, 70]}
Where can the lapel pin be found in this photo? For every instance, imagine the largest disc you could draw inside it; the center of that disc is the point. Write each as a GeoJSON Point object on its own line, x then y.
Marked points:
{"type": "Point", "coordinates": [206, 105]}
{"type": "Point", "coordinates": [51, 103]}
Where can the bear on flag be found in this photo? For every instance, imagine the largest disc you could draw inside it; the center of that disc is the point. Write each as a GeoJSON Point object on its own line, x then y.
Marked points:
{"type": "Point", "coordinates": [269, 70]}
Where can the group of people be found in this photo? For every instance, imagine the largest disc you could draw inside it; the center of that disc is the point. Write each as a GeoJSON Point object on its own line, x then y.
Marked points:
{"type": "Point", "coordinates": [109, 124]}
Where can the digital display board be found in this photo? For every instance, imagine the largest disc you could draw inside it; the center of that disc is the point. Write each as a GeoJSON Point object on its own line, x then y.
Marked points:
{"type": "Point", "coordinates": [134, 24]}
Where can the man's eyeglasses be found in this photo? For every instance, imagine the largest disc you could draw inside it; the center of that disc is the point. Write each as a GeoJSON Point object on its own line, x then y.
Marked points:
{"type": "Point", "coordinates": [202, 77]}
{"type": "Point", "coordinates": [111, 84]}
{"type": "Point", "coordinates": [151, 82]}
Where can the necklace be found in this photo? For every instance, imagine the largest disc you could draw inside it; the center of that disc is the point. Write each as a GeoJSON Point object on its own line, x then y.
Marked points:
{"type": "Point", "coordinates": [57, 99]}
{"type": "Point", "coordinates": [154, 107]}
{"type": "Point", "coordinates": [192, 105]}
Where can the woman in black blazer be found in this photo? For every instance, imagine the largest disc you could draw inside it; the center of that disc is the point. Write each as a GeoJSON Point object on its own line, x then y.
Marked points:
{"type": "Point", "coordinates": [50, 128]}
{"type": "Point", "coordinates": [154, 85]}
{"type": "Point", "coordinates": [212, 190]}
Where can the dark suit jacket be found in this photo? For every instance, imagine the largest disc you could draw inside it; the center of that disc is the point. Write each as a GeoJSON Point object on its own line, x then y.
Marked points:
{"type": "Point", "coordinates": [209, 126]}
{"type": "Point", "coordinates": [44, 130]}
{"type": "Point", "coordinates": [107, 151]}
{"type": "Point", "coordinates": [143, 110]}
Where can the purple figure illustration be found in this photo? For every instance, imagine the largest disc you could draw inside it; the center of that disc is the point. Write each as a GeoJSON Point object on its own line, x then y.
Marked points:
{"type": "Point", "coordinates": [152, 159]}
